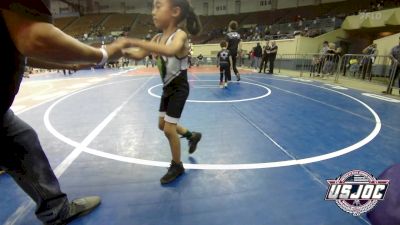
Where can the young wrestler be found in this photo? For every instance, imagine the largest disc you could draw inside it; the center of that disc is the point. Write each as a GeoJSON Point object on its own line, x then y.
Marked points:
{"type": "Point", "coordinates": [172, 49]}
{"type": "Point", "coordinates": [224, 65]}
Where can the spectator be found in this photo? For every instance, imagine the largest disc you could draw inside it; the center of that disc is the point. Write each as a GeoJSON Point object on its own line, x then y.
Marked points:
{"type": "Point", "coordinates": [265, 57]}
{"type": "Point", "coordinates": [366, 64]}
{"type": "Point", "coordinates": [241, 57]}
{"type": "Point", "coordinates": [380, 5]}
{"type": "Point", "coordinates": [125, 62]}
{"type": "Point", "coordinates": [251, 57]}
{"type": "Point", "coordinates": [257, 56]}
{"type": "Point", "coordinates": [330, 60]}
{"type": "Point", "coordinates": [322, 53]}
{"type": "Point", "coordinates": [272, 56]}
{"type": "Point", "coordinates": [150, 60]}
{"type": "Point", "coordinates": [395, 55]}
{"type": "Point", "coordinates": [199, 59]}
{"type": "Point", "coordinates": [372, 6]}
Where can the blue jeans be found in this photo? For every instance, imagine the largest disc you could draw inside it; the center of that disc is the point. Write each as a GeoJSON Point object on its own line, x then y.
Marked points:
{"type": "Point", "coordinates": [22, 157]}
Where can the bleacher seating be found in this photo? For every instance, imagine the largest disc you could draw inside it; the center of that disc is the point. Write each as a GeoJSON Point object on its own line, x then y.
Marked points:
{"type": "Point", "coordinates": [63, 22]}
{"type": "Point", "coordinates": [84, 24]}
{"type": "Point", "coordinates": [118, 22]}
{"type": "Point", "coordinates": [309, 20]}
{"type": "Point", "coordinates": [143, 25]}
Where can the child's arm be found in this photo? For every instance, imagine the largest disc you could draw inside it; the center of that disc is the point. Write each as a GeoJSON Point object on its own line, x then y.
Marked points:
{"type": "Point", "coordinates": [174, 49]}
{"type": "Point", "coordinates": [135, 53]}
{"type": "Point", "coordinates": [138, 53]}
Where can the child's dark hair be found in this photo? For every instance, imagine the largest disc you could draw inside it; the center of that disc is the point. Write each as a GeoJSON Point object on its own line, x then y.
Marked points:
{"type": "Point", "coordinates": [193, 24]}
{"type": "Point", "coordinates": [233, 25]}
{"type": "Point", "coordinates": [223, 44]}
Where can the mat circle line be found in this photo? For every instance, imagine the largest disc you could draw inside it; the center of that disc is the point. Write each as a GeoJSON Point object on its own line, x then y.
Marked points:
{"type": "Point", "coordinates": [275, 164]}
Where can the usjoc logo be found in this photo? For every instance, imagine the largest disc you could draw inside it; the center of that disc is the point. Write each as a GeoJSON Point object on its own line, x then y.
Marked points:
{"type": "Point", "coordinates": [356, 191]}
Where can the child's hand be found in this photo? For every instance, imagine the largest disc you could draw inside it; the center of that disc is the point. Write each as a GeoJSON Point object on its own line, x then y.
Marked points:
{"type": "Point", "coordinates": [114, 49]}
{"type": "Point", "coordinates": [133, 42]}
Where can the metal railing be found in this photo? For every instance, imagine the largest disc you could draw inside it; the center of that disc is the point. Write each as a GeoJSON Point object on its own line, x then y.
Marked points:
{"type": "Point", "coordinates": [366, 67]}
{"type": "Point", "coordinates": [323, 65]}
{"type": "Point", "coordinates": [381, 70]}
{"type": "Point", "coordinates": [394, 74]}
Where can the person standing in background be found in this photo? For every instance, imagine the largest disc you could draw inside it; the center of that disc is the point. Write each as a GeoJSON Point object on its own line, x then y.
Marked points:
{"type": "Point", "coordinates": [257, 56]}
{"type": "Point", "coordinates": [366, 64]}
{"type": "Point", "coordinates": [234, 41]}
{"type": "Point", "coordinates": [265, 57]}
{"type": "Point", "coordinates": [273, 51]}
{"type": "Point", "coordinates": [395, 55]}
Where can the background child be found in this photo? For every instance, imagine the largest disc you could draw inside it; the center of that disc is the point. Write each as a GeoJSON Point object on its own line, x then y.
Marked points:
{"type": "Point", "coordinates": [224, 64]}
{"type": "Point", "coordinates": [172, 48]}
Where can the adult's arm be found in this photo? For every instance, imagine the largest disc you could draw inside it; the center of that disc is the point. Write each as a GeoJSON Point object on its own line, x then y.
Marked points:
{"type": "Point", "coordinates": [46, 42]}
{"type": "Point", "coordinates": [37, 63]}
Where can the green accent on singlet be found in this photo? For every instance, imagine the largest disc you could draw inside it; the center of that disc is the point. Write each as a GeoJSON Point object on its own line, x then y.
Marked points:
{"type": "Point", "coordinates": [161, 67]}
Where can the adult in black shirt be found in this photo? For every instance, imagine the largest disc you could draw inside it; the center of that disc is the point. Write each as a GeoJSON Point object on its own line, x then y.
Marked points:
{"type": "Point", "coordinates": [272, 56]}
{"type": "Point", "coordinates": [233, 39]}
{"type": "Point", "coordinates": [257, 55]}
{"type": "Point", "coordinates": [28, 37]}
{"type": "Point", "coordinates": [265, 57]}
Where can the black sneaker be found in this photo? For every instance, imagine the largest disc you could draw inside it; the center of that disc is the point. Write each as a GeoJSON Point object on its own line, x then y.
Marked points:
{"type": "Point", "coordinates": [196, 137]}
{"type": "Point", "coordinates": [238, 77]}
{"type": "Point", "coordinates": [80, 207]}
{"type": "Point", "coordinates": [174, 171]}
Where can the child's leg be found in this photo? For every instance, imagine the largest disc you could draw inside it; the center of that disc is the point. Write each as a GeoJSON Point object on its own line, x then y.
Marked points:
{"type": "Point", "coordinates": [170, 131]}
{"type": "Point", "coordinates": [221, 72]}
{"type": "Point", "coordinates": [182, 130]}
{"type": "Point", "coordinates": [179, 129]}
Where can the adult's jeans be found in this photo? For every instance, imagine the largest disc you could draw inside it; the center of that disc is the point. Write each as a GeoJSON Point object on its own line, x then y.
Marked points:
{"type": "Point", "coordinates": [22, 157]}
